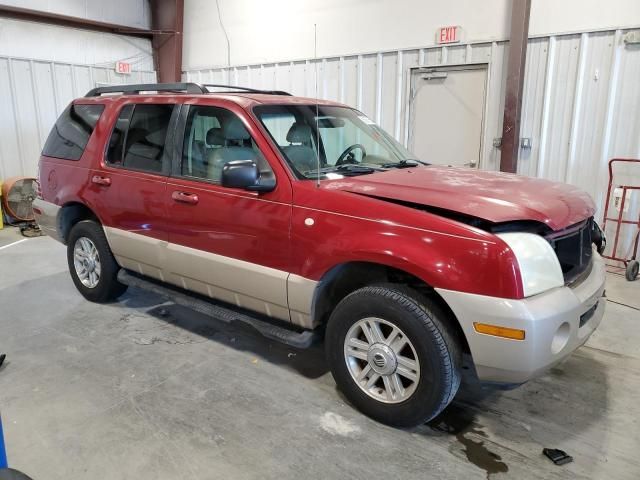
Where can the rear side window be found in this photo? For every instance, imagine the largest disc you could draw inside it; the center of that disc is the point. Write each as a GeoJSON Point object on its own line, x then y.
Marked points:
{"type": "Point", "coordinates": [138, 138]}
{"type": "Point", "coordinates": [70, 134]}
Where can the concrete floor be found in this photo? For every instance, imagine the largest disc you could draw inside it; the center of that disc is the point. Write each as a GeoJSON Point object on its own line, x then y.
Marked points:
{"type": "Point", "coordinates": [135, 390]}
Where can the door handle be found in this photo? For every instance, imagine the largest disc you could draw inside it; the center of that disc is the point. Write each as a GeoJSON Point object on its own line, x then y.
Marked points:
{"type": "Point", "coordinates": [185, 197]}
{"type": "Point", "coordinates": [104, 181]}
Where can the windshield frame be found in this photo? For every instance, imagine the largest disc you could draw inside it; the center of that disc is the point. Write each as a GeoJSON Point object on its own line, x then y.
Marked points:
{"type": "Point", "coordinates": [394, 147]}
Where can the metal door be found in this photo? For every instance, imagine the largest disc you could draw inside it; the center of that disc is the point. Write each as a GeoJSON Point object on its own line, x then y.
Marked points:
{"type": "Point", "coordinates": [447, 107]}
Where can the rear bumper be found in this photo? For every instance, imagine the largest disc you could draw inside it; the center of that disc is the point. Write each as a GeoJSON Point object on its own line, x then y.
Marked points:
{"type": "Point", "coordinates": [556, 323]}
{"type": "Point", "coordinates": [46, 214]}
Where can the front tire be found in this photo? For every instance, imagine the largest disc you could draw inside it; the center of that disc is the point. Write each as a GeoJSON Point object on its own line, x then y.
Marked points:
{"type": "Point", "coordinates": [392, 354]}
{"type": "Point", "coordinates": [93, 269]}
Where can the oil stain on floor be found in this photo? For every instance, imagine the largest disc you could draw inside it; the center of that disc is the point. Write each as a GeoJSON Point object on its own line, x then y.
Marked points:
{"type": "Point", "coordinates": [461, 422]}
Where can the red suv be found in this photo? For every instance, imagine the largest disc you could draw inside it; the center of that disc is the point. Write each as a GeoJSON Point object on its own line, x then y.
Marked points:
{"type": "Point", "coordinates": [302, 216]}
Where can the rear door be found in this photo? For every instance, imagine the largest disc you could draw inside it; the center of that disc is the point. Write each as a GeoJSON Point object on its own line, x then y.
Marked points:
{"type": "Point", "coordinates": [129, 188]}
{"type": "Point", "coordinates": [227, 243]}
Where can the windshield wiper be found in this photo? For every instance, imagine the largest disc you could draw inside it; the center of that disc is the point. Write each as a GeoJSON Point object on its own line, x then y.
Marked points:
{"type": "Point", "coordinates": [406, 163]}
{"type": "Point", "coordinates": [348, 169]}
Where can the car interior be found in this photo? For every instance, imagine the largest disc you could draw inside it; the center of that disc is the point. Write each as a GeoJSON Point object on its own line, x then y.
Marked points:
{"type": "Point", "coordinates": [205, 154]}
{"type": "Point", "coordinates": [300, 150]}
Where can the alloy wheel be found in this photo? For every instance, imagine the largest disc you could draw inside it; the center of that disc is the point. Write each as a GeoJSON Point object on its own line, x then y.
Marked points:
{"type": "Point", "coordinates": [382, 360]}
{"type": "Point", "coordinates": [86, 261]}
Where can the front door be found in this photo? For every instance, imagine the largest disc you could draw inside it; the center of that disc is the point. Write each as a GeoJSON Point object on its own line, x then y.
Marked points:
{"type": "Point", "coordinates": [227, 243]}
{"type": "Point", "coordinates": [446, 114]}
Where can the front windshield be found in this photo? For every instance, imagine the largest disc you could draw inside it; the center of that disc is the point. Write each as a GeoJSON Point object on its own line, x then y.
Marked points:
{"type": "Point", "coordinates": [347, 141]}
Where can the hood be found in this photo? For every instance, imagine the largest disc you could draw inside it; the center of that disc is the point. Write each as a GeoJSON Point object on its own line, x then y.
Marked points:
{"type": "Point", "coordinates": [493, 196]}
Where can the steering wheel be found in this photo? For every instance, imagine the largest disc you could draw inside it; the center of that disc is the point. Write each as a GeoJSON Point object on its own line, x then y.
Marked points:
{"type": "Point", "coordinates": [343, 155]}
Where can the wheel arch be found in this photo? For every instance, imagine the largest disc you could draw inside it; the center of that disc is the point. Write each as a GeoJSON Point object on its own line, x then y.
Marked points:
{"type": "Point", "coordinates": [345, 278]}
{"type": "Point", "coordinates": [72, 213]}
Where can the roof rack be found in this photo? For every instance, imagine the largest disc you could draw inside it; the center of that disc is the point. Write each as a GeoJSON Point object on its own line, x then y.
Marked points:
{"type": "Point", "coordinates": [148, 87]}
{"type": "Point", "coordinates": [236, 89]}
{"type": "Point", "coordinates": [192, 88]}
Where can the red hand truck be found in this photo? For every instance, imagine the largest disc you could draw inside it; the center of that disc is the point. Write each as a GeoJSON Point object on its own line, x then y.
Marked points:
{"type": "Point", "coordinates": [630, 263]}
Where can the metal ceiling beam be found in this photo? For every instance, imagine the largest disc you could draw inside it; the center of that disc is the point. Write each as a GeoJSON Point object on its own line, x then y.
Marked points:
{"type": "Point", "coordinates": [167, 18]}
{"type": "Point", "coordinates": [27, 14]}
{"type": "Point", "coordinates": [515, 81]}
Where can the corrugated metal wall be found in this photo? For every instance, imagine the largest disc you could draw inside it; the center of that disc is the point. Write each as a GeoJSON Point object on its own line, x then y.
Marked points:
{"type": "Point", "coordinates": [581, 97]}
{"type": "Point", "coordinates": [33, 93]}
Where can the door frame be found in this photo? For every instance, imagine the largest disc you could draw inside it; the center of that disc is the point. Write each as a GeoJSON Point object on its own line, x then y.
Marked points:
{"type": "Point", "coordinates": [421, 69]}
{"type": "Point", "coordinates": [273, 301]}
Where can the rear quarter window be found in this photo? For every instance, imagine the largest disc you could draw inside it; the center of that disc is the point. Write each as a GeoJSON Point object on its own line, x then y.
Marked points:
{"type": "Point", "coordinates": [70, 134]}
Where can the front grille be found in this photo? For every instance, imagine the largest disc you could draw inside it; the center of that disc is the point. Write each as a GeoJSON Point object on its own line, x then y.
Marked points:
{"type": "Point", "coordinates": [573, 248]}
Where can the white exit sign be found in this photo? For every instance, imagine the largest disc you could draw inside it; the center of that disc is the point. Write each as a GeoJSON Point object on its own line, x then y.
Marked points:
{"type": "Point", "coordinates": [450, 34]}
{"type": "Point", "coordinates": [123, 67]}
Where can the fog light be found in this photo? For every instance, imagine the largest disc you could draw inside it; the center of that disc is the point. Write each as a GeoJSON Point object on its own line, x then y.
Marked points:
{"type": "Point", "coordinates": [497, 331]}
{"type": "Point", "coordinates": [561, 338]}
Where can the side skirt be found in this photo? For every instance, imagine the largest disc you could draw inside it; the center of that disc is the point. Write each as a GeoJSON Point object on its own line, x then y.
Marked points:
{"type": "Point", "coordinates": [225, 313]}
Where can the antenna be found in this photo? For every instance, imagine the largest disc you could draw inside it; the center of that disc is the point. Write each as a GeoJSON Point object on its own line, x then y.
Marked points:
{"type": "Point", "coordinates": [315, 60]}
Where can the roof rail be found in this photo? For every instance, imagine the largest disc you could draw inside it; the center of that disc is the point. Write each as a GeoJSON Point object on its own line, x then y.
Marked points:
{"type": "Point", "coordinates": [148, 87]}
{"type": "Point", "coordinates": [236, 89]}
{"type": "Point", "coordinates": [192, 88]}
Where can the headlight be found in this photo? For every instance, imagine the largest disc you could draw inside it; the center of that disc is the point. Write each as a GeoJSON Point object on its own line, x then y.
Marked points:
{"type": "Point", "coordinates": [539, 266]}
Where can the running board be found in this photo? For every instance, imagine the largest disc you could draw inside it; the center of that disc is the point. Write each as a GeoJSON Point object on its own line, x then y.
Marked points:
{"type": "Point", "coordinates": [297, 339]}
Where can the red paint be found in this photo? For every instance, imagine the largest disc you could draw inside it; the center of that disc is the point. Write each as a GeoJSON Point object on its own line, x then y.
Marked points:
{"type": "Point", "coordinates": [494, 196]}
{"type": "Point", "coordinates": [269, 229]}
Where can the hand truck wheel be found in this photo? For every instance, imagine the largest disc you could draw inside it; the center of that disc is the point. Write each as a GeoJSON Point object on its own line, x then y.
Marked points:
{"type": "Point", "coordinates": [632, 270]}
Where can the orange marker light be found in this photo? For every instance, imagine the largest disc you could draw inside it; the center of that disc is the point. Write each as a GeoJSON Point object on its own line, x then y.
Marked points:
{"type": "Point", "coordinates": [496, 331]}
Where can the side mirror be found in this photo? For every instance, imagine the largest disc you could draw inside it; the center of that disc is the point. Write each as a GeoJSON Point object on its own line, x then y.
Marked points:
{"type": "Point", "coordinates": [245, 174]}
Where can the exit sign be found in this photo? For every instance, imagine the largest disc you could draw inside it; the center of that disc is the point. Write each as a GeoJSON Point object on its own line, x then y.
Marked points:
{"type": "Point", "coordinates": [123, 67]}
{"type": "Point", "coordinates": [449, 34]}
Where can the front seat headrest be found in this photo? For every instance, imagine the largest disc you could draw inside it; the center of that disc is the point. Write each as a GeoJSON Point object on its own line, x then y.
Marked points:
{"type": "Point", "coordinates": [234, 129]}
{"type": "Point", "coordinates": [299, 133]}
{"type": "Point", "coordinates": [215, 137]}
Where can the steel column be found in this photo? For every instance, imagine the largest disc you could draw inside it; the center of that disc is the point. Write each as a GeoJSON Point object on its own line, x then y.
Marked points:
{"type": "Point", "coordinates": [515, 82]}
{"type": "Point", "coordinates": [167, 18]}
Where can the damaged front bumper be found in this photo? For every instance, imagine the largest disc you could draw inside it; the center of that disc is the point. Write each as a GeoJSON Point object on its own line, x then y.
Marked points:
{"type": "Point", "coordinates": [555, 323]}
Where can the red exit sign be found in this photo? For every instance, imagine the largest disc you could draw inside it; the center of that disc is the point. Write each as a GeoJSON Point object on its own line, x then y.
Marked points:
{"type": "Point", "coordinates": [449, 34]}
{"type": "Point", "coordinates": [123, 67]}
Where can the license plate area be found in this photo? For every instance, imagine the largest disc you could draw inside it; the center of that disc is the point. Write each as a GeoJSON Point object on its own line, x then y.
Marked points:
{"type": "Point", "coordinates": [586, 316]}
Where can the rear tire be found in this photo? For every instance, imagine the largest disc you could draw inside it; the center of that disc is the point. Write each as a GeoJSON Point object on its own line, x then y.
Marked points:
{"type": "Point", "coordinates": [93, 269]}
{"type": "Point", "coordinates": [412, 346]}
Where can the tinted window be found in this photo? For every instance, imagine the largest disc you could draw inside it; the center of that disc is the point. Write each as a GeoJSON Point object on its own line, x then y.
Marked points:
{"type": "Point", "coordinates": [139, 136]}
{"type": "Point", "coordinates": [70, 134]}
{"type": "Point", "coordinates": [116, 142]}
{"type": "Point", "coordinates": [214, 136]}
